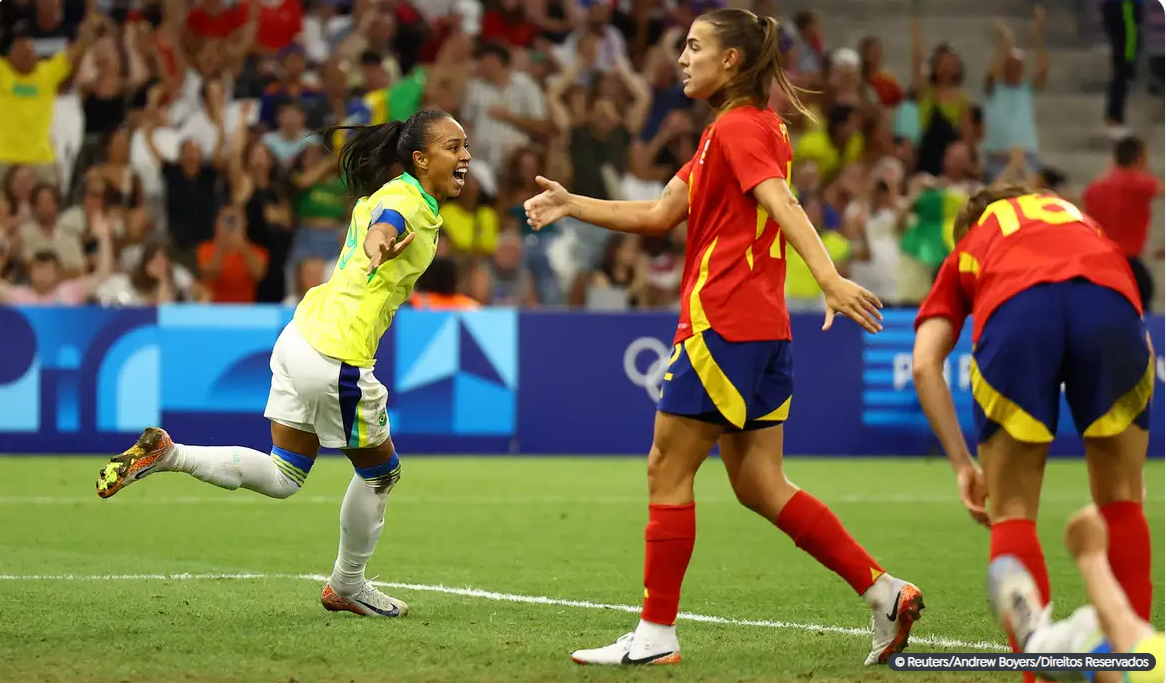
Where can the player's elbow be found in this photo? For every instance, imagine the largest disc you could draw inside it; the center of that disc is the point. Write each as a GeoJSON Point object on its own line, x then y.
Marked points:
{"type": "Point", "coordinates": [925, 366]}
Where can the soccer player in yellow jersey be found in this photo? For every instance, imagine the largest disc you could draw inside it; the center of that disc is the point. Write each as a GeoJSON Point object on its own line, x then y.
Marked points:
{"type": "Point", "coordinates": [1107, 625]}
{"type": "Point", "coordinates": [323, 391]}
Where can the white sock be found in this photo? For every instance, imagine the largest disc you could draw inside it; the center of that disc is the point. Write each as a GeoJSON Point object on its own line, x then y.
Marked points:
{"type": "Point", "coordinates": [362, 517]}
{"type": "Point", "coordinates": [879, 593]}
{"type": "Point", "coordinates": [649, 632]}
{"type": "Point", "coordinates": [232, 467]}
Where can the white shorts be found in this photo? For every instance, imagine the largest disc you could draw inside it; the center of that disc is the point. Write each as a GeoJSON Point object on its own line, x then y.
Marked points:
{"type": "Point", "coordinates": [343, 405]}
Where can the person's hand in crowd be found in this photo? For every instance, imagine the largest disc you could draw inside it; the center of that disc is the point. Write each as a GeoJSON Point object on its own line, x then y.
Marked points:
{"type": "Point", "coordinates": [500, 112]}
{"type": "Point", "coordinates": [1039, 15]}
{"type": "Point", "coordinates": [99, 225]}
{"type": "Point", "coordinates": [215, 100]}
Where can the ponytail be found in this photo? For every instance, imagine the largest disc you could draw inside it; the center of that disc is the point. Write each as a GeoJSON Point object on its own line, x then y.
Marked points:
{"type": "Point", "coordinates": [370, 154]}
{"type": "Point", "coordinates": [759, 41]}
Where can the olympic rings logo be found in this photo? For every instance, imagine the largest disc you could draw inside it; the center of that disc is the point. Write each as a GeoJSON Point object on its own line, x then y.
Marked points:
{"type": "Point", "coordinates": [652, 376]}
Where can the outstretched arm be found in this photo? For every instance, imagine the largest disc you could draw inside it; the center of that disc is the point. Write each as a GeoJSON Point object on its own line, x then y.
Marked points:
{"type": "Point", "coordinates": [655, 217]}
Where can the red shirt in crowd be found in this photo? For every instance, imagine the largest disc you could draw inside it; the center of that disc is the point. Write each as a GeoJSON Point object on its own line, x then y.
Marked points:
{"type": "Point", "coordinates": [1017, 244]}
{"type": "Point", "coordinates": [1120, 202]}
{"type": "Point", "coordinates": [495, 26]}
{"type": "Point", "coordinates": [734, 265]}
{"type": "Point", "coordinates": [221, 24]}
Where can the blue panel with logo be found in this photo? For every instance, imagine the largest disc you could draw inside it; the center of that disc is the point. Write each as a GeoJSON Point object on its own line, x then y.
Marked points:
{"type": "Point", "coordinates": [87, 380]}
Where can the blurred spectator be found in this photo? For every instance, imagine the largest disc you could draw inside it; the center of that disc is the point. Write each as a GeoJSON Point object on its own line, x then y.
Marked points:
{"type": "Point", "coordinates": [508, 23]}
{"type": "Point", "coordinates": [77, 219]}
{"type": "Point", "coordinates": [50, 283]}
{"type": "Point", "coordinates": [19, 183]}
{"type": "Point", "coordinates": [885, 86]}
{"type": "Point", "coordinates": [109, 84]}
{"type": "Point", "coordinates": [124, 196]}
{"type": "Point", "coordinates": [596, 28]}
{"type": "Point", "coordinates": [469, 221]}
{"type": "Point", "coordinates": [231, 265]}
{"type": "Point", "coordinates": [321, 206]}
{"type": "Point", "coordinates": [622, 279]}
{"type": "Point", "coordinates": [598, 132]}
{"type": "Point", "coordinates": [943, 105]}
{"type": "Point", "coordinates": [310, 272]}
{"type": "Point", "coordinates": [876, 222]}
{"type": "Point", "coordinates": [1120, 202]}
{"type": "Point", "coordinates": [556, 19]}
{"type": "Point", "coordinates": [257, 185]}
{"type": "Point", "coordinates": [291, 86]}
{"type": "Point", "coordinates": [151, 280]}
{"type": "Point", "coordinates": [28, 89]}
{"type": "Point", "coordinates": [802, 292]}
{"type": "Point", "coordinates": [808, 45]}
{"type": "Point", "coordinates": [437, 288]}
{"type": "Point", "coordinates": [42, 233]}
{"type": "Point", "coordinates": [291, 137]}
{"type": "Point", "coordinates": [1123, 27]}
{"type": "Point", "coordinates": [520, 175]}
{"type": "Point", "coordinates": [509, 282]}
{"type": "Point", "coordinates": [503, 108]}
{"type": "Point", "coordinates": [1009, 109]}
{"type": "Point", "coordinates": [191, 184]}
{"type": "Point", "coordinates": [837, 144]}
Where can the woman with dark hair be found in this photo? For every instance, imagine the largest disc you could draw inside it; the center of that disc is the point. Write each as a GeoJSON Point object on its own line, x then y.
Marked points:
{"type": "Point", "coordinates": [943, 104]}
{"type": "Point", "coordinates": [730, 377]}
{"type": "Point", "coordinates": [323, 391]}
{"type": "Point", "coordinates": [154, 280]}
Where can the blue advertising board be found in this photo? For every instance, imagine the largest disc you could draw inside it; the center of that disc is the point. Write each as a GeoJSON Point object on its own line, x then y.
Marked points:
{"type": "Point", "coordinates": [87, 380]}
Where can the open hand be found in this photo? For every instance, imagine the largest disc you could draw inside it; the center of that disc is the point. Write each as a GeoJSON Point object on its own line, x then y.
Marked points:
{"type": "Point", "coordinates": [551, 205]}
{"type": "Point", "coordinates": [973, 493]}
{"type": "Point", "coordinates": [383, 250]}
{"type": "Point", "coordinates": [854, 302]}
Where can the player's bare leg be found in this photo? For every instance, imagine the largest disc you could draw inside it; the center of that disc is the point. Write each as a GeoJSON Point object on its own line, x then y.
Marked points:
{"type": "Point", "coordinates": [679, 446]}
{"type": "Point", "coordinates": [1013, 474]}
{"type": "Point", "coordinates": [754, 463]}
{"type": "Point", "coordinates": [362, 518]}
{"type": "Point", "coordinates": [1115, 478]}
{"type": "Point", "coordinates": [276, 475]}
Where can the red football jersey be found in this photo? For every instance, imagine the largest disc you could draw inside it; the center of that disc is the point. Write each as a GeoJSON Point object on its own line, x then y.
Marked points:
{"type": "Point", "coordinates": [734, 261]}
{"type": "Point", "coordinates": [1019, 243]}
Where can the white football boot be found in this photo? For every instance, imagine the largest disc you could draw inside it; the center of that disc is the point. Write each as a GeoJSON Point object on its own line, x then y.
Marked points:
{"type": "Point", "coordinates": [366, 602]}
{"type": "Point", "coordinates": [895, 607]}
{"type": "Point", "coordinates": [650, 644]}
{"type": "Point", "coordinates": [1016, 601]}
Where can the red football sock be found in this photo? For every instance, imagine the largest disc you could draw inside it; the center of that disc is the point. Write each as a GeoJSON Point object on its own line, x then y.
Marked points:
{"type": "Point", "coordinates": [815, 529]}
{"type": "Point", "coordinates": [1018, 537]}
{"type": "Point", "coordinates": [669, 539]}
{"type": "Point", "coordinates": [1129, 553]}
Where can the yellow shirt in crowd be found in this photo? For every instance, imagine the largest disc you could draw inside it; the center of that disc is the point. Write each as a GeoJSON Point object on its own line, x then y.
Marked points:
{"type": "Point", "coordinates": [26, 110]}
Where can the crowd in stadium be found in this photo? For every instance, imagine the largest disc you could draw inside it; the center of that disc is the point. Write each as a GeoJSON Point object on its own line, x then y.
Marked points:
{"type": "Point", "coordinates": [155, 151]}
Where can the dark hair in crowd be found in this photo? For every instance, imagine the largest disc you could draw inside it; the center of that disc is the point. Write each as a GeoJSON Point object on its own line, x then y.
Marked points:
{"type": "Point", "coordinates": [1128, 150]}
{"type": "Point", "coordinates": [759, 40]}
{"type": "Point", "coordinates": [369, 156]}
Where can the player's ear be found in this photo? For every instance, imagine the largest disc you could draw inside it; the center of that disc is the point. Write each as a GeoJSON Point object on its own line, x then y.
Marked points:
{"type": "Point", "coordinates": [731, 58]}
{"type": "Point", "coordinates": [420, 161]}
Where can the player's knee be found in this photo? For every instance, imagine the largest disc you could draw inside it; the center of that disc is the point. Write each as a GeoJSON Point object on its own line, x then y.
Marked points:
{"type": "Point", "coordinates": [383, 477]}
{"type": "Point", "coordinates": [292, 472]}
{"type": "Point", "coordinates": [764, 495]}
{"type": "Point", "coordinates": [667, 479]}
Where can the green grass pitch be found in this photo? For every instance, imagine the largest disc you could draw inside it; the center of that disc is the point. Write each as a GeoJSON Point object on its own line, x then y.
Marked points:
{"type": "Point", "coordinates": [174, 580]}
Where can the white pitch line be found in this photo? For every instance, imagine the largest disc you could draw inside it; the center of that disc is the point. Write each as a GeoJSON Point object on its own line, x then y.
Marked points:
{"type": "Point", "coordinates": [517, 598]}
{"type": "Point", "coordinates": [251, 499]}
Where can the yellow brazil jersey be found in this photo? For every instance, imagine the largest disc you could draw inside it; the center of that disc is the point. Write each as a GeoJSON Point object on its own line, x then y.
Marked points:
{"type": "Point", "coordinates": [345, 317]}
{"type": "Point", "coordinates": [26, 110]}
{"type": "Point", "coordinates": [1151, 645]}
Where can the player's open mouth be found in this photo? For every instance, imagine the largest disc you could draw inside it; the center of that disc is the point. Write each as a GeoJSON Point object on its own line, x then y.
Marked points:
{"type": "Point", "coordinates": [459, 176]}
